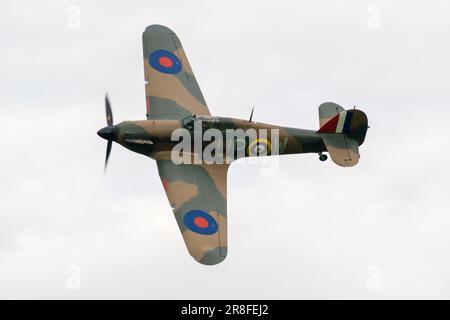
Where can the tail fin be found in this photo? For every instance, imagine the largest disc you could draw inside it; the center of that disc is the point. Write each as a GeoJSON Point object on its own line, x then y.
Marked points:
{"type": "Point", "coordinates": [342, 132]}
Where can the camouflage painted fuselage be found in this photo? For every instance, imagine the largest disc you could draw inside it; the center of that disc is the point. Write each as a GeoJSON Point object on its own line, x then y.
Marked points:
{"type": "Point", "coordinates": [149, 137]}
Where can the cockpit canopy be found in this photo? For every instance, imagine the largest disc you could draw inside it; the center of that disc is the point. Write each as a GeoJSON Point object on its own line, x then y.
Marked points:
{"type": "Point", "coordinates": [206, 121]}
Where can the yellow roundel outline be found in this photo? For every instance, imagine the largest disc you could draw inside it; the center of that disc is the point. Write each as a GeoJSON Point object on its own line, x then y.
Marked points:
{"type": "Point", "coordinates": [259, 141]}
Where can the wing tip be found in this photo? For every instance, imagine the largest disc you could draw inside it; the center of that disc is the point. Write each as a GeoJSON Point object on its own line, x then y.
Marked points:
{"type": "Point", "coordinates": [157, 28]}
{"type": "Point", "coordinates": [213, 257]}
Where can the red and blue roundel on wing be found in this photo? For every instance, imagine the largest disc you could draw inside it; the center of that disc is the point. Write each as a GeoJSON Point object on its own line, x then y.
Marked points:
{"type": "Point", "coordinates": [200, 222]}
{"type": "Point", "coordinates": [164, 61]}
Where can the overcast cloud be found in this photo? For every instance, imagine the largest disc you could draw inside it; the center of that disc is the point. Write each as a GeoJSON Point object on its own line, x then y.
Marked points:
{"type": "Point", "coordinates": [311, 230]}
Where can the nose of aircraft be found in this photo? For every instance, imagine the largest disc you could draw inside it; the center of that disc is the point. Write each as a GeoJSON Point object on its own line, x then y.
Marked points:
{"type": "Point", "coordinates": [108, 133]}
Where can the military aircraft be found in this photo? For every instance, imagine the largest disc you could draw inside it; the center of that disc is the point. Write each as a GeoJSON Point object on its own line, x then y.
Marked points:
{"type": "Point", "coordinates": [197, 190]}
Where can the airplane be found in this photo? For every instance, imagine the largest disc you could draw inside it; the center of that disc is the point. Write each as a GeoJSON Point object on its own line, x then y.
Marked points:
{"type": "Point", "coordinates": [197, 190]}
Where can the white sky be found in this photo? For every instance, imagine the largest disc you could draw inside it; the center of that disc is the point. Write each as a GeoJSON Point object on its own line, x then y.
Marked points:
{"type": "Point", "coordinates": [311, 230]}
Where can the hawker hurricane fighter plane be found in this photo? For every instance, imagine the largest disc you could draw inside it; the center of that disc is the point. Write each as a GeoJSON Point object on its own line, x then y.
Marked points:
{"type": "Point", "coordinates": [195, 186]}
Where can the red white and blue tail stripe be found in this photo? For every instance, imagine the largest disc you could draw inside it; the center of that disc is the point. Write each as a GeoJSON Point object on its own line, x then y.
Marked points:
{"type": "Point", "coordinates": [340, 123]}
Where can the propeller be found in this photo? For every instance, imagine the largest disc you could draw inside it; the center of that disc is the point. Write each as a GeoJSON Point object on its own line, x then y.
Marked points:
{"type": "Point", "coordinates": [108, 133]}
{"type": "Point", "coordinates": [108, 152]}
{"type": "Point", "coordinates": [109, 116]}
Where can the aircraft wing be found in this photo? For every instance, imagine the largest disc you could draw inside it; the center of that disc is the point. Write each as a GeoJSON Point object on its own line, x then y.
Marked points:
{"type": "Point", "coordinates": [171, 90]}
{"type": "Point", "coordinates": [198, 196]}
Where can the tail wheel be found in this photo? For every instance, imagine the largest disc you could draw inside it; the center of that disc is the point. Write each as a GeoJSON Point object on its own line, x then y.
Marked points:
{"type": "Point", "coordinates": [323, 157]}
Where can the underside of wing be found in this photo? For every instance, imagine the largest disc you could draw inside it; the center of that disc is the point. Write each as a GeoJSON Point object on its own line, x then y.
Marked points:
{"type": "Point", "coordinates": [172, 92]}
{"type": "Point", "coordinates": [197, 194]}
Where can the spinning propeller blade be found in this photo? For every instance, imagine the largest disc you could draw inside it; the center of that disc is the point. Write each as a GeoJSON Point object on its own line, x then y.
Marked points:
{"type": "Point", "coordinates": [108, 133]}
{"type": "Point", "coordinates": [109, 116]}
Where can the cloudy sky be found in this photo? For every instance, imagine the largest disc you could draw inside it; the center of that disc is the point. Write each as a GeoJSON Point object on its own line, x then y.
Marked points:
{"type": "Point", "coordinates": [305, 230]}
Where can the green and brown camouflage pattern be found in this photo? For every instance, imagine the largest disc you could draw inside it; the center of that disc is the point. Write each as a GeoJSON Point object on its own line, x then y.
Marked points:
{"type": "Point", "coordinates": [169, 96]}
{"type": "Point", "coordinates": [172, 102]}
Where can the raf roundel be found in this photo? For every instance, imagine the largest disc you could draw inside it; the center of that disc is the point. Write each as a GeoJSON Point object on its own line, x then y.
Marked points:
{"type": "Point", "coordinates": [200, 222]}
{"type": "Point", "coordinates": [165, 61]}
{"type": "Point", "coordinates": [259, 147]}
